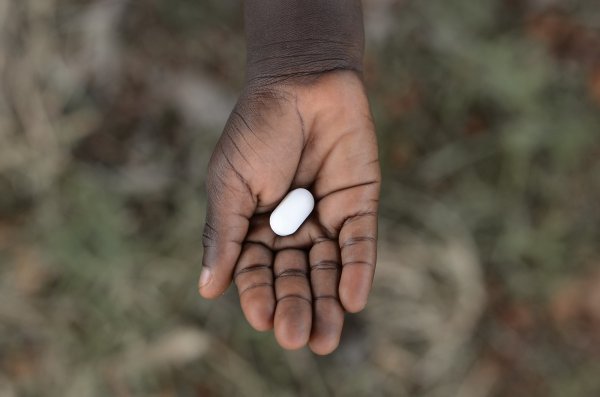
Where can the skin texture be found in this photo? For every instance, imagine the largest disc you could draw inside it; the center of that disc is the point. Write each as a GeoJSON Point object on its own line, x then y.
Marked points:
{"type": "Point", "coordinates": [303, 120]}
{"type": "Point", "coordinates": [299, 37]}
{"type": "Point", "coordinates": [314, 133]}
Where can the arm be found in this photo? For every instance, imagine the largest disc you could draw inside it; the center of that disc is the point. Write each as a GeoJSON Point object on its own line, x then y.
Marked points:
{"type": "Point", "coordinates": [298, 37]}
{"type": "Point", "coordinates": [303, 120]}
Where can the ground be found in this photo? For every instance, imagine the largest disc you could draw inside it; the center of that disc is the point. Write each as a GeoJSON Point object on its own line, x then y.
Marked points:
{"type": "Point", "coordinates": [488, 116]}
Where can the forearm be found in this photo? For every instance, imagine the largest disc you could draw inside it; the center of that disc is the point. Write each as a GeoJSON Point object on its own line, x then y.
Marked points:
{"type": "Point", "coordinates": [302, 37]}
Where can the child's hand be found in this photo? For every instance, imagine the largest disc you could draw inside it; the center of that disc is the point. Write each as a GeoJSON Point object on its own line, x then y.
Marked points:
{"type": "Point", "coordinates": [315, 133]}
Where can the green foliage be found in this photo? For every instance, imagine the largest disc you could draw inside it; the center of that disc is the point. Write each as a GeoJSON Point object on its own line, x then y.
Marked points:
{"type": "Point", "coordinates": [488, 141]}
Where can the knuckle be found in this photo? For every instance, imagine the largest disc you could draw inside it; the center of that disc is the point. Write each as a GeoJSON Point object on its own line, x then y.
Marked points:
{"type": "Point", "coordinates": [349, 242]}
{"type": "Point", "coordinates": [250, 269]}
{"type": "Point", "coordinates": [359, 216]}
{"type": "Point", "coordinates": [291, 273]}
{"type": "Point", "coordinates": [325, 297]}
{"type": "Point", "coordinates": [359, 263]}
{"type": "Point", "coordinates": [325, 265]}
{"type": "Point", "coordinates": [296, 297]}
{"type": "Point", "coordinates": [254, 286]}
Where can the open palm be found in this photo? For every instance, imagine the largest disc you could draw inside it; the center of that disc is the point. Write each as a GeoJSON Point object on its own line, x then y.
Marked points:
{"type": "Point", "coordinates": [315, 133]}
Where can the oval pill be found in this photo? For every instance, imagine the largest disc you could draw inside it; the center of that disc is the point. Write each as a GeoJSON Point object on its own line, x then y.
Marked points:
{"type": "Point", "coordinates": [292, 212]}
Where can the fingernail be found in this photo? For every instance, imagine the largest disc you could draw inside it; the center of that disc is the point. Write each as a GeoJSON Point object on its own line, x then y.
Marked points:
{"type": "Point", "coordinates": [205, 277]}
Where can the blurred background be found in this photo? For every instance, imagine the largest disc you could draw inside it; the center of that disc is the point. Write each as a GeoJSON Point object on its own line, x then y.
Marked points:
{"type": "Point", "coordinates": [488, 282]}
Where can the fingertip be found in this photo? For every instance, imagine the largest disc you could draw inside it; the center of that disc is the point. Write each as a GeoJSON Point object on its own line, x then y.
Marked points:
{"type": "Point", "coordinates": [291, 341]}
{"type": "Point", "coordinates": [292, 325]}
{"type": "Point", "coordinates": [217, 269]}
{"type": "Point", "coordinates": [323, 347]}
{"type": "Point", "coordinates": [205, 277]}
{"type": "Point", "coordinates": [352, 302]}
{"type": "Point", "coordinates": [261, 324]}
{"type": "Point", "coordinates": [355, 285]}
{"type": "Point", "coordinates": [207, 287]}
{"type": "Point", "coordinates": [207, 293]}
{"type": "Point", "coordinates": [327, 329]}
{"type": "Point", "coordinates": [260, 317]}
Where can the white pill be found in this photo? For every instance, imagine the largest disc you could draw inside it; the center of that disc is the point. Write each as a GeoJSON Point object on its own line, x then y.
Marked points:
{"type": "Point", "coordinates": [292, 212]}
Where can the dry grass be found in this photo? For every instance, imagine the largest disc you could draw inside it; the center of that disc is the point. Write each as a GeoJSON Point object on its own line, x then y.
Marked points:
{"type": "Point", "coordinates": [488, 118]}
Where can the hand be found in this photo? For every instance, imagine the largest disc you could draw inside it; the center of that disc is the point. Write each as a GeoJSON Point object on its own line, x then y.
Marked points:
{"type": "Point", "coordinates": [313, 132]}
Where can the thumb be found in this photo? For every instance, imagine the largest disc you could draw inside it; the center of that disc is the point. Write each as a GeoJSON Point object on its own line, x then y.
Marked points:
{"type": "Point", "coordinates": [230, 206]}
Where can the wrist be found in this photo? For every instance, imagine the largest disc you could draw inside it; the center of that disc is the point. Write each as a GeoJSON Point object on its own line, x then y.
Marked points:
{"type": "Point", "coordinates": [288, 38]}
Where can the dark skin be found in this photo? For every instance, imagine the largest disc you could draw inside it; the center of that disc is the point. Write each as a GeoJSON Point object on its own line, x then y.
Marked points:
{"type": "Point", "coordinates": [292, 127]}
